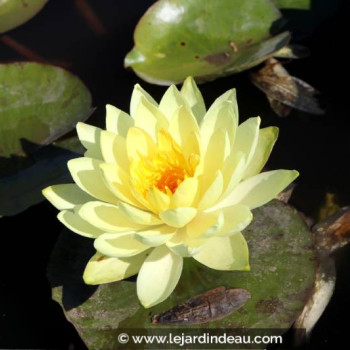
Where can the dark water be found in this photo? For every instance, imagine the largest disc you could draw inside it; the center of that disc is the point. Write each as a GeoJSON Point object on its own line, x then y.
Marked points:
{"type": "Point", "coordinates": [318, 146]}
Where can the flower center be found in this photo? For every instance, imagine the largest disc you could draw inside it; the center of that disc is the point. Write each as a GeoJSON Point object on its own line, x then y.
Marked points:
{"type": "Point", "coordinates": [165, 169]}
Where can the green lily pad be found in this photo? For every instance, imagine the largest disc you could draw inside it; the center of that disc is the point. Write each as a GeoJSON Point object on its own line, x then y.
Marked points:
{"type": "Point", "coordinates": [38, 104]}
{"type": "Point", "coordinates": [282, 258]}
{"type": "Point", "coordinates": [203, 38]}
{"type": "Point", "coordinates": [13, 13]}
{"type": "Point", "coordinates": [23, 189]}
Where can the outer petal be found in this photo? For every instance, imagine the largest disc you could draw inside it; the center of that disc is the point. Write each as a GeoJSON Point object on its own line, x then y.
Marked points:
{"type": "Point", "coordinates": [118, 121]}
{"type": "Point", "coordinates": [103, 269]}
{"type": "Point", "coordinates": [87, 175]}
{"type": "Point", "coordinates": [113, 148]}
{"type": "Point", "coordinates": [225, 253]}
{"type": "Point", "coordinates": [107, 217]}
{"type": "Point", "coordinates": [266, 141]}
{"type": "Point", "coordinates": [156, 236]}
{"type": "Point", "coordinates": [178, 217]}
{"type": "Point", "coordinates": [260, 189]}
{"type": "Point", "coordinates": [90, 137]}
{"type": "Point", "coordinates": [158, 276]}
{"type": "Point", "coordinates": [75, 223]}
{"type": "Point", "coordinates": [171, 101]}
{"type": "Point", "coordinates": [212, 193]}
{"type": "Point", "coordinates": [66, 196]}
{"type": "Point", "coordinates": [247, 138]}
{"type": "Point", "coordinates": [137, 94]}
{"type": "Point", "coordinates": [194, 98]}
{"type": "Point", "coordinates": [119, 245]}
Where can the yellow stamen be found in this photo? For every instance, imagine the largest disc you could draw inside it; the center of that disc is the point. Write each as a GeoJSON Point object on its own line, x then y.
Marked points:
{"type": "Point", "coordinates": [166, 169]}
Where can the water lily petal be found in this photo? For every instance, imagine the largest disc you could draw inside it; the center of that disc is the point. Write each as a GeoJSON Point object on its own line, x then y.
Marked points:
{"type": "Point", "coordinates": [157, 200]}
{"type": "Point", "coordinates": [233, 171]}
{"type": "Point", "coordinates": [225, 253]}
{"type": "Point", "coordinates": [137, 94]}
{"type": "Point", "coordinates": [260, 189]}
{"type": "Point", "coordinates": [266, 141]}
{"type": "Point", "coordinates": [139, 143]}
{"type": "Point", "coordinates": [87, 175]}
{"type": "Point", "coordinates": [90, 137]}
{"type": "Point", "coordinates": [141, 217]}
{"type": "Point", "coordinates": [104, 269]}
{"type": "Point", "coordinates": [119, 245]}
{"type": "Point", "coordinates": [247, 138]}
{"type": "Point", "coordinates": [205, 224]}
{"type": "Point", "coordinates": [158, 276]}
{"type": "Point", "coordinates": [171, 101]}
{"type": "Point", "coordinates": [178, 217]}
{"type": "Point", "coordinates": [155, 236]}
{"type": "Point", "coordinates": [149, 118]}
{"type": "Point", "coordinates": [107, 217]}
{"type": "Point", "coordinates": [66, 196]}
{"type": "Point", "coordinates": [118, 182]}
{"type": "Point", "coordinates": [222, 117]}
{"type": "Point", "coordinates": [75, 223]}
{"type": "Point", "coordinates": [118, 121]}
{"type": "Point", "coordinates": [182, 125]}
{"type": "Point", "coordinates": [113, 148]}
{"type": "Point", "coordinates": [194, 98]}
{"type": "Point", "coordinates": [235, 219]}
{"type": "Point", "coordinates": [230, 96]}
{"type": "Point", "coordinates": [212, 193]}
{"type": "Point", "coordinates": [186, 194]}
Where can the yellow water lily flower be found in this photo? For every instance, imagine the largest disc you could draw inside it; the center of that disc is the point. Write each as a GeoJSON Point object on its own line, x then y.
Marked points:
{"type": "Point", "coordinates": [168, 182]}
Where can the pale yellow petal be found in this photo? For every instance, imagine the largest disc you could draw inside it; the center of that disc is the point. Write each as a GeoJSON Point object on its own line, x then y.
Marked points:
{"type": "Point", "coordinates": [266, 141]}
{"type": "Point", "coordinates": [150, 119]}
{"type": "Point", "coordinates": [104, 269]}
{"type": "Point", "coordinates": [178, 217]}
{"type": "Point", "coordinates": [141, 217]}
{"type": "Point", "coordinates": [155, 236]}
{"type": "Point", "coordinates": [66, 196]}
{"type": "Point", "coordinates": [171, 101]}
{"type": "Point", "coordinates": [221, 117]}
{"type": "Point", "coordinates": [205, 224]}
{"type": "Point", "coordinates": [194, 98]}
{"type": "Point", "coordinates": [225, 253]}
{"type": "Point", "coordinates": [182, 125]}
{"type": "Point", "coordinates": [87, 175]}
{"type": "Point", "coordinates": [157, 200]}
{"type": "Point", "coordinates": [137, 94]}
{"type": "Point", "coordinates": [118, 121]}
{"type": "Point", "coordinates": [247, 138]}
{"type": "Point", "coordinates": [228, 96]}
{"type": "Point", "coordinates": [119, 245]}
{"type": "Point", "coordinates": [90, 137]}
{"type": "Point", "coordinates": [186, 194]}
{"type": "Point", "coordinates": [139, 143]}
{"type": "Point", "coordinates": [75, 223]}
{"type": "Point", "coordinates": [260, 189]}
{"type": "Point", "coordinates": [107, 217]}
{"type": "Point", "coordinates": [113, 149]}
{"type": "Point", "coordinates": [212, 194]}
{"type": "Point", "coordinates": [183, 245]}
{"type": "Point", "coordinates": [158, 276]}
{"type": "Point", "coordinates": [118, 182]}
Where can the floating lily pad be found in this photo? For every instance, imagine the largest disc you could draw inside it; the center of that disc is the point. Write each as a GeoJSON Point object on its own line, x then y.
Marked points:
{"type": "Point", "coordinates": [203, 38]}
{"type": "Point", "coordinates": [23, 189]}
{"type": "Point", "coordinates": [38, 104]}
{"type": "Point", "coordinates": [13, 13]}
{"type": "Point", "coordinates": [282, 274]}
